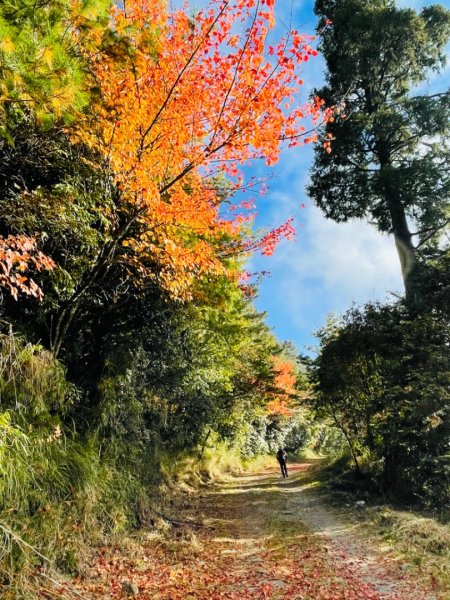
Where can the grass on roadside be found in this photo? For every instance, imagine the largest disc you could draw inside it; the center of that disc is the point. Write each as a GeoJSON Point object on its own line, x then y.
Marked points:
{"type": "Point", "coordinates": [422, 541]}
{"type": "Point", "coordinates": [419, 539]}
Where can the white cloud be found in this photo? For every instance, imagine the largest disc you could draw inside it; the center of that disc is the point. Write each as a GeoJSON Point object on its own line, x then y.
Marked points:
{"type": "Point", "coordinates": [331, 266]}
{"type": "Point", "coordinates": [351, 256]}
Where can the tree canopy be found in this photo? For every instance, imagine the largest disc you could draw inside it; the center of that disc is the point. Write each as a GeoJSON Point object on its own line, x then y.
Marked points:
{"type": "Point", "coordinates": [390, 140]}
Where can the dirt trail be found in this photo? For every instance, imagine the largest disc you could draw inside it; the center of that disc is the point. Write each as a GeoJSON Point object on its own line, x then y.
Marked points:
{"type": "Point", "coordinates": [271, 506]}
{"type": "Point", "coordinates": [264, 537]}
{"type": "Point", "coordinates": [265, 507]}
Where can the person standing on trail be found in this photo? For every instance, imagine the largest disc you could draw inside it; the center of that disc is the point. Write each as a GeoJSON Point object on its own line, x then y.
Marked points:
{"type": "Point", "coordinates": [281, 457]}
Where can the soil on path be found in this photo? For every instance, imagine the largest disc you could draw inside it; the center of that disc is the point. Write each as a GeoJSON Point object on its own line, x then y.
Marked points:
{"type": "Point", "coordinates": [263, 537]}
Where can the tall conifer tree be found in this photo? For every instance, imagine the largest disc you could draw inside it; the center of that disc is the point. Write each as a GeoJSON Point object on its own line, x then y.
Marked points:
{"type": "Point", "coordinates": [390, 155]}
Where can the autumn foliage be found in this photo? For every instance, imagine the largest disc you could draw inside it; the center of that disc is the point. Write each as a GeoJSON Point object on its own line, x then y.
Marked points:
{"type": "Point", "coordinates": [179, 103]}
{"type": "Point", "coordinates": [284, 382]}
{"type": "Point", "coordinates": [18, 257]}
{"type": "Point", "coordinates": [122, 145]}
{"type": "Point", "coordinates": [183, 101]}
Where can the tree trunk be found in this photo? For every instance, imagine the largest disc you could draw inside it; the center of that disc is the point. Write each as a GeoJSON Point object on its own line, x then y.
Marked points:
{"type": "Point", "coordinates": [407, 258]}
{"type": "Point", "coordinates": [390, 469]}
{"type": "Point", "coordinates": [399, 224]}
{"type": "Point", "coordinates": [103, 262]}
{"type": "Point", "coordinates": [349, 442]}
{"type": "Point", "coordinates": [403, 242]}
{"type": "Point", "coordinates": [203, 448]}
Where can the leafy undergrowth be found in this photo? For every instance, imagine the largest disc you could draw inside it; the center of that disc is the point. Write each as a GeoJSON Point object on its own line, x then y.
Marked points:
{"type": "Point", "coordinates": [244, 539]}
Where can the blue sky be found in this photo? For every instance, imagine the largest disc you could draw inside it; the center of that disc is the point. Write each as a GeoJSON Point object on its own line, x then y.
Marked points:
{"type": "Point", "coordinates": [331, 265]}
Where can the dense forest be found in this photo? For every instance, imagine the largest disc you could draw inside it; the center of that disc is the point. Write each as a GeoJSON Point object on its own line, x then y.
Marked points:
{"type": "Point", "coordinates": [129, 339]}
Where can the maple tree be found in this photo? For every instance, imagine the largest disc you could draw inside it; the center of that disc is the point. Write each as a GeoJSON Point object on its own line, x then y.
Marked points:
{"type": "Point", "coordinates": [284, 383]}
{"type": "Point", "coordinates": [182, 101]}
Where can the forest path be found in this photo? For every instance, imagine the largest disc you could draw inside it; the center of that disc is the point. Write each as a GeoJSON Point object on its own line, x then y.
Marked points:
{"type": "Point", "coordinates": [264, 537]}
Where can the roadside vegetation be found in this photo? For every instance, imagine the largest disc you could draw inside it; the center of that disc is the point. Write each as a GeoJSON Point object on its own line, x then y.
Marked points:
{"type": "Point", "coordinates": [133, 362]}
{"type": "Point", "coordinates": [382, 371]}
{"type": "Point", "coordinates": [417, 538]}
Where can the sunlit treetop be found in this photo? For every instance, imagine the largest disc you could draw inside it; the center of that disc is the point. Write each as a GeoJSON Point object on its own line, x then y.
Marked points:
{"type": "Point", "coordinates": [185, 98]}
{"type": "Point", "coordinates": [42, 67]}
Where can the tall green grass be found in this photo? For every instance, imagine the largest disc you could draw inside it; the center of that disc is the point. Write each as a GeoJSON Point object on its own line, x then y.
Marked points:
{"type": "Point", "coordinates": [58, 496]}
